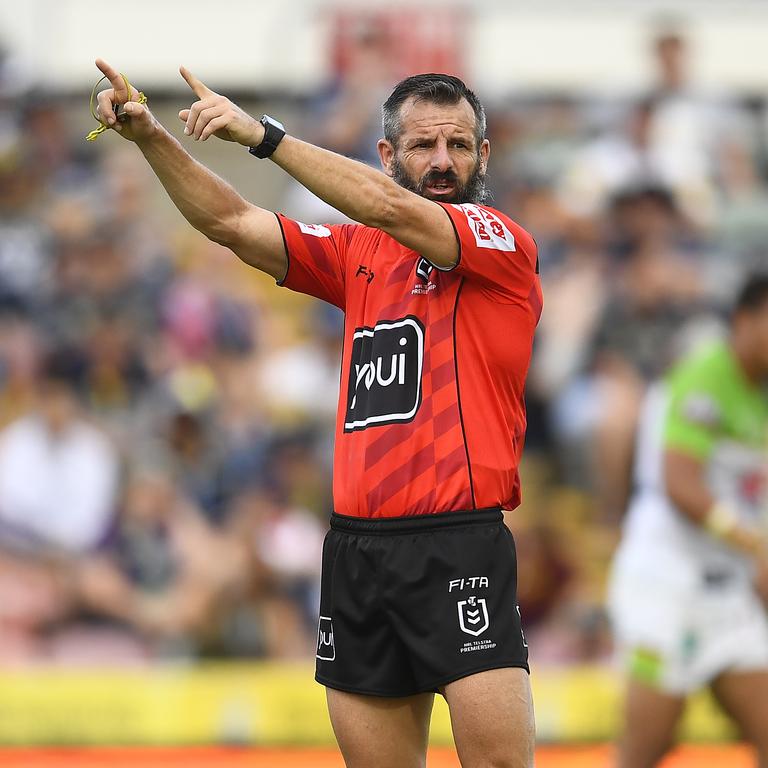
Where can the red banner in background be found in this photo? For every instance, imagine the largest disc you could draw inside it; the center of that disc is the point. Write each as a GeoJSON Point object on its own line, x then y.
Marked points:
{"type": "Point", "coordinates": [411, 40]}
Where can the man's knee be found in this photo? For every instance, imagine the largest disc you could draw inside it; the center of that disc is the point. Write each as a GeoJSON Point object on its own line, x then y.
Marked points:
{"type": "Point", "coordinates": [516, 761]}
{"type": "Point", "coordinates": [642, 755]}
{"type": "Point", "coordinates": [520, 759]}
{"type": "Point", "coordinates": [512, 750]}
{"type": "Point", "coordinates": [492, 719]}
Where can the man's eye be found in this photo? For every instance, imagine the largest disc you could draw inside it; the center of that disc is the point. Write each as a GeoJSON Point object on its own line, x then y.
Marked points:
{"type": "Point", "coordinates": [459, 145]}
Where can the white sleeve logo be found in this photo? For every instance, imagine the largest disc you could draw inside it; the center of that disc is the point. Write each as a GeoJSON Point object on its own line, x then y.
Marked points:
{"type": "Point", "coordinates": [700, 408]}
{"type": "Point", "coordinates": [317, 230]}
{"type": "Point", "coordinates": [489, 230]}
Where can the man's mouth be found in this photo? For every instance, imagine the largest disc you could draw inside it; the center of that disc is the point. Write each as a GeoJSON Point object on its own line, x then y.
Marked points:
{"type": "Point", "coordinates": [441, 188]}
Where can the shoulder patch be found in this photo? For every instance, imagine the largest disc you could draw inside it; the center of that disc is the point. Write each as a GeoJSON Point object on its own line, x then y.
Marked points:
{"type": "Point", "coordinates": [700, 408]}
{"type": "Point", "coordinates": [317, 230]}
{"type": "Point", "coordinates": [489, 230]}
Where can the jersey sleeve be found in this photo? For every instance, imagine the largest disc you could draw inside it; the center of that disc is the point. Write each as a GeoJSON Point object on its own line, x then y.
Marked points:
{"type": "Point", "coordinates": [693, 418]}
{"type": "Point", "coordinates": [316, 258]}
{"type": "Point", "coordinates": [494, 251]}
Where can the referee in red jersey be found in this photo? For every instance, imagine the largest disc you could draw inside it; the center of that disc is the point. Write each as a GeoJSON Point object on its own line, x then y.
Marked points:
{"type": "Point", "coordinates": [441, 299]}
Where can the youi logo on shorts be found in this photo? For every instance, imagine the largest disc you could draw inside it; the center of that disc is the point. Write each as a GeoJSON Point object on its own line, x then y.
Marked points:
{"type": "Point", "coordinates": [326, 646]}
{"type": "Point", "coordinates": [385, 374]}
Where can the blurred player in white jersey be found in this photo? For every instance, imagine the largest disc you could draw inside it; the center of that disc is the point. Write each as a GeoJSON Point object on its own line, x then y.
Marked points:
{"type": "Point", "coordinates": [689, 587]}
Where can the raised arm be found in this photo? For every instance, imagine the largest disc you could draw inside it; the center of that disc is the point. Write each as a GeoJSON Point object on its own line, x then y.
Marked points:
{"type": "Point", "coordinates": [205, 200]}
{"type": "Point", "coordinates": [360, 192]}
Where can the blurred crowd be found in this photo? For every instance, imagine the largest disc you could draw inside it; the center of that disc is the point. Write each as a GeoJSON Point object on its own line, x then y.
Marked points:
{"type": "Point", "coordinates": [166, 414]}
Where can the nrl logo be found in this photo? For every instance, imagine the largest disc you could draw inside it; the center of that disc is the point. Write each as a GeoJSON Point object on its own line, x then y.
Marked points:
{"type": "Point", "coordinates": [473, 616]}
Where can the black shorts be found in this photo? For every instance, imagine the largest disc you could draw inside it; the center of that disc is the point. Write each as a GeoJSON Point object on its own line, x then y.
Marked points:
{"type": "Point", "coordinates": [410, 604]}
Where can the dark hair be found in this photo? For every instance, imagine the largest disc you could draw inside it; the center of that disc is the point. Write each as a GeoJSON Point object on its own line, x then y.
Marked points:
{"type": "Point", "coordinates": [63, 366]}
{"type": "Point", "coordinates": [646, 192]}
{"type": "Point", "coordinates": [435, 88]}
{"type": "Point", "coordinates": [753, 294]}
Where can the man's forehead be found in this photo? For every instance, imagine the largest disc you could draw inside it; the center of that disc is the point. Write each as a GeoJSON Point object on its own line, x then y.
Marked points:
{"type": "Point", "coordinates": [420, 114]}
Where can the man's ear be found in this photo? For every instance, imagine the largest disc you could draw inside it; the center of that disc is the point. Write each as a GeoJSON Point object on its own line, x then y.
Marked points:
{"type": "Point", "coordinates": [485, 152]}
{"type": "Point", "coordinates": [386, 155]}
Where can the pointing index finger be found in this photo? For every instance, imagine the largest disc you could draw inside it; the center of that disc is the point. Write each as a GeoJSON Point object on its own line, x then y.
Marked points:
{"type": "Point", "coordinates": [199, 88]}
{"type": "Point", "coordinates": [115, 80]}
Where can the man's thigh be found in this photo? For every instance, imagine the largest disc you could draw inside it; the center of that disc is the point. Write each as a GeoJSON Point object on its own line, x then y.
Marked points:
{"type": "Point", "coordinates": [743, 694]}
{"type": "Point", "coordinates": [651, 716]}
{"type": "Point", "coordinates": [492, 718]}
{"type": "Point", "coordinates": [377, 732]}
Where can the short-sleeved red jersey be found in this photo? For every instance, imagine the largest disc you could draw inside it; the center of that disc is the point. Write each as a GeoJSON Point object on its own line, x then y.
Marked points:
{"type": "Point", "coordinates": [431, 415]}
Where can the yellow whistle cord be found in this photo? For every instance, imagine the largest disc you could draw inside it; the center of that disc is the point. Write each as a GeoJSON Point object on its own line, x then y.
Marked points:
{"type": "Point", "coordinates": [96, 132]}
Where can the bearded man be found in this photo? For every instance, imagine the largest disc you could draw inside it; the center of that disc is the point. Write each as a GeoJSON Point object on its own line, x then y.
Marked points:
{"type": "Point", "coordinates": [441, 297]}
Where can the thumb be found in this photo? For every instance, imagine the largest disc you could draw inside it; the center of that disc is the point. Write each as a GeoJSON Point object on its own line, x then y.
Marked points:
{"type": "Point", "coordinates": [134, 109]}
{"type": "Point", "coordinates": [183, 115]}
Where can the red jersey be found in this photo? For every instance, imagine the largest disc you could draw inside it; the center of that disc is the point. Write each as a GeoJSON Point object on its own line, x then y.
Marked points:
{"type": "Point", "coordinates": [431, 415]}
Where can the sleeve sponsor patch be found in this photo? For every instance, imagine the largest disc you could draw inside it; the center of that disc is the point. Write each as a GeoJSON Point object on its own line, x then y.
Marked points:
{"type": "Point", "coordinates": [489, 230]}
{"type": "Point", "coordinates": [317, 230]}
{"type": "Point", "coordinates": [701, 409]}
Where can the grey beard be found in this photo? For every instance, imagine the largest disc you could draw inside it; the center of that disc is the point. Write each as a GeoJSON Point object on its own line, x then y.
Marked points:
{"type": "Point", "coordinates": [474, 191]}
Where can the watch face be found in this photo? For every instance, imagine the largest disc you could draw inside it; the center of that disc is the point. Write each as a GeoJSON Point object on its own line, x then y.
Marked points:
{"type": "Point", "coordinates": [272, 121]}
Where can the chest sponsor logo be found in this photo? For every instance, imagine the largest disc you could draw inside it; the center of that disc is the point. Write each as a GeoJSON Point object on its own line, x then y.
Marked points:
{"type": "Point", "coordinates": [489, 230]}
{"type": "Point", "coordinates": [326, 647]}
{"type": "Point", "coordinates": [385, 374]}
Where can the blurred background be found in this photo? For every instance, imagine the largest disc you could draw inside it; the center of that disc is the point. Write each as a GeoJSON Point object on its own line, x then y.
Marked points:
{"type": "Point", "coordinates": [166, 413]}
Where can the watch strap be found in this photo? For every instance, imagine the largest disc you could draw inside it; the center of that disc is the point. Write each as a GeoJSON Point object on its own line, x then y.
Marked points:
{"type": "Point", "coordinates": [273, 135]}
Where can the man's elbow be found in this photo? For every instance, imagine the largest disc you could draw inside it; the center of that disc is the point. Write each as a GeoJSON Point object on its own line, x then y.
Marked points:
{"type": "Point", "coordinates": [227, 230]}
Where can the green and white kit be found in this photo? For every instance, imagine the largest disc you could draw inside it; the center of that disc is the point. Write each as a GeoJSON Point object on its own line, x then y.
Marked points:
{"type": "Point", "coordinates": [682, 602]}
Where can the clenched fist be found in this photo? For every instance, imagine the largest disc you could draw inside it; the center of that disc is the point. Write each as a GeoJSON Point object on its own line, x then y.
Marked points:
{"type": "Point", "coordinates": [140, 123]}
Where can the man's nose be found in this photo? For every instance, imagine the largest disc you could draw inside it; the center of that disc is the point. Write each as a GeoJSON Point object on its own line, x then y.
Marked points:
{"type": "Point", "coordinates": [441, 159]}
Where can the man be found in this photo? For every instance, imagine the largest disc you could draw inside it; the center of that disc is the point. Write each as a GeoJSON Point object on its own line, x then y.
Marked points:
{"type": "Point", "coordinates": [50, 519]}
{"type": "Point", "coordinates": [45, 508]}
{"type": "Point", "coordinates": [441, 299]}
{"type": "Point", "coordinates": [690, 580]}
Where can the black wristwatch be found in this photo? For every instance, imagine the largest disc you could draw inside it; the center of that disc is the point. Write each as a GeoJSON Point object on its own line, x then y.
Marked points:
{"type": "Point", "coordinates": [273, 135]}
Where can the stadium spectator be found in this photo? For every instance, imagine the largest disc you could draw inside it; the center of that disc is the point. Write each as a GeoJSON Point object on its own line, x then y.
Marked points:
{"type": "Point", "coordinates": [49, 515]}
{"type": "Point", "coordinates": [657, 291]}
{"type": "Point", "coordinates": [45, 506]}
{"type": "Point", "coordinates": [165, 572]}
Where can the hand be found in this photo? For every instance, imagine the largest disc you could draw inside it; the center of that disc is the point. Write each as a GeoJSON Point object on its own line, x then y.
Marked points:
{"type": "Point", "coordinates": [155, 615]}
{"type": "Point", "coordinates": [140, 123]}
{"type": "Point", "coordinates": [100, 586]}
{"type": "Point", "coordinates": [216, 115]}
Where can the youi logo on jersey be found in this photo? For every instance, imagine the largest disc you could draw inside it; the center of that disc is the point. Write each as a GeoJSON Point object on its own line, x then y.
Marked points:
{"type": "Point", "coordinates": [385, 370]}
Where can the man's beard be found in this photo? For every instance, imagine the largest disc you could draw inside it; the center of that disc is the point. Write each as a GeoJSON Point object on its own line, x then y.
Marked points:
{"type": "Point", "coordinates": [474, 191]}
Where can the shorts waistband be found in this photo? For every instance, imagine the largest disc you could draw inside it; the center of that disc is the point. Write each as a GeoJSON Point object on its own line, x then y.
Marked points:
{"type": "Point", "coordinates": [382, 526]}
